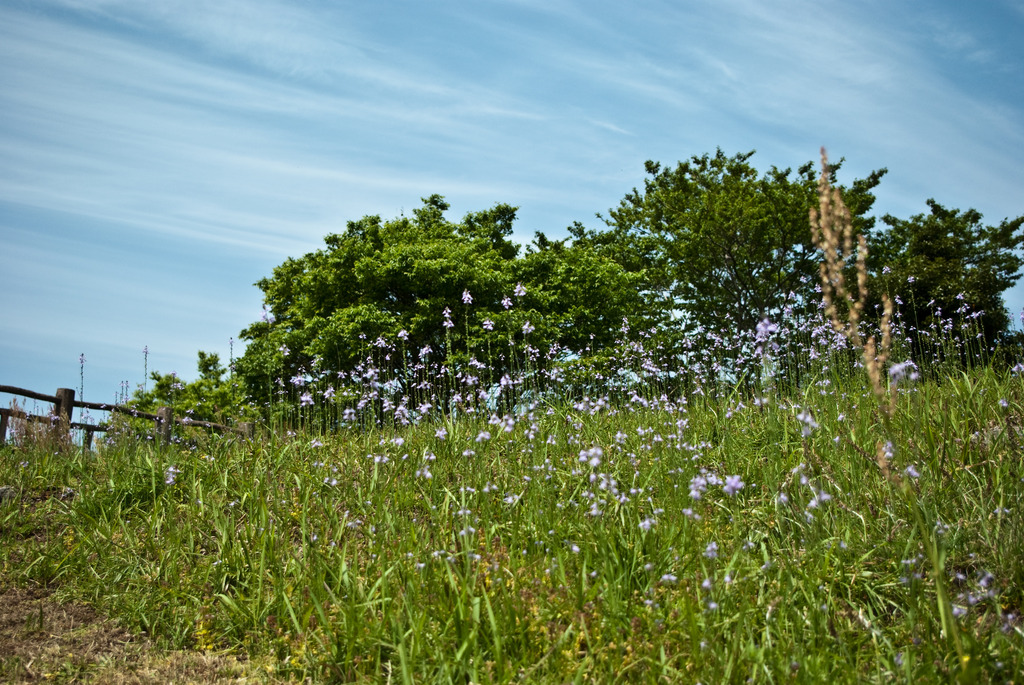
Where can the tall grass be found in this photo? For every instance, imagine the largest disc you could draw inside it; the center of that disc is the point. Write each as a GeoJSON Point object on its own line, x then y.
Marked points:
{"type": "Point", "coordinates": [568, 540]}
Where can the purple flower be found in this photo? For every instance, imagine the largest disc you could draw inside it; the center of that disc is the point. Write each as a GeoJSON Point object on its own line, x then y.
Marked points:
{"type": "Point", "coordinates": [171, 474]}
{"type": "Point", "coordinates": [698, 484]}
{"type": "Point", "coordinates": [519, 291]}
{"type": "Point", "coordinates": [765, 329]}
{"type": "Point", "coordinates": [904, 370]}
{"type": "Point", "coordinates": [506, 302]}
{"type": "Point", "coordinates": [466, 297]}
{"type": "Point", "coordinates": [488, 325]}
{"type": "Point", "coordinates": [592, 456]}
{"type": "Point", "coordinates": [809, 424]}
{"type": "Point", "coordinates": [820, 497]}
{"type": "Point", "coordinates": [528, 328]}
{"type": "Point", "coordinates": [306, 399]}
{"type": "Point", "coordinates": [711, 551]}
{"type": "Point", "coordinates": [733, 484]}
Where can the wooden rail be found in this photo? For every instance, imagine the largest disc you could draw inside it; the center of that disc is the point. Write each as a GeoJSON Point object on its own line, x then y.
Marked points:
{"type": "Point", "coordinates": [64, 404]}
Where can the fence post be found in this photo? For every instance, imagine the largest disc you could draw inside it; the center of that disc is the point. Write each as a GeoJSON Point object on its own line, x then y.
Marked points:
{"type": "Point", "coordinates": [3, 428]}
{"type": "Point", "coordinates": [164, 421]}
{"type": "Point", "coordinates": [63, 408]}
{"type": "Point", "coordinates": [65, 405]}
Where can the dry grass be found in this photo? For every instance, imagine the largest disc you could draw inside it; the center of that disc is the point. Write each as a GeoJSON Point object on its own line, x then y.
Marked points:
{"type": "Point", "coordinates": [42, 639]}
{"type": "Point", "coordinates": [37, 432]}
{"type": "Point", "coordinates": [834, 235]}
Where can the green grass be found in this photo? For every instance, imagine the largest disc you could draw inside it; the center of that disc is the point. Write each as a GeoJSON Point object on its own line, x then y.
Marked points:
{"type": "Point", "coordinates": [525, 562]}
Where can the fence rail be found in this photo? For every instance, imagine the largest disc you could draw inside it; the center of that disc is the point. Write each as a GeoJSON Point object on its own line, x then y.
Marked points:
{"type": "Point", "coordinates": [64, 404]}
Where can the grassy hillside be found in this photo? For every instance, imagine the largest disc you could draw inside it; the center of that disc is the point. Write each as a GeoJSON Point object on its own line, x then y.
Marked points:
{"type": "Point", "coordinates": [772, 530]}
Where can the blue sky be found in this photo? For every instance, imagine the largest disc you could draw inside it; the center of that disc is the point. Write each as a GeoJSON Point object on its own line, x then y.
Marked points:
{"type": "Point", "coordinates": [160, 157]}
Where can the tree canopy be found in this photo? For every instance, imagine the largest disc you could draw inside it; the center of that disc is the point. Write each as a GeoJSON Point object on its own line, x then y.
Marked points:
{"type": "Point", "coordinates": [721, 245]}
{"type": "Point", "coordinates": [938, 264]}
{"type": "Point", "coordinates": [709, 243]}
{"type": "Point", "coordinates": [427, 285]}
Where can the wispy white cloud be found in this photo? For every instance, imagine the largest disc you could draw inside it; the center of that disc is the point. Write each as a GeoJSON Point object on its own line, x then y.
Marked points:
{"type": "Point", "coordinates": [611, 127]}
{"type": "Point", "coordinates": [209, 142]}
{"type": "Point", "coordinates": [284, 38]}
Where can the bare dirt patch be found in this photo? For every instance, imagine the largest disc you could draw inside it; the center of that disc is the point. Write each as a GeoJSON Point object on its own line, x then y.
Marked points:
{"type": "Point", "coordinates": [43, 640]}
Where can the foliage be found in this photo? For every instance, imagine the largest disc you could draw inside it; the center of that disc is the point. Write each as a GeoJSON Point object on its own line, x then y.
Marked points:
{"type": "Point", "coordinates": [720, 246]}
{"type": "Point", "coordinates": [211, 397]}
{"type": "Point", "coordinates": [710, 245]}
{"type": "Point", "coordinates": [941, 261]}
{"type": "Point", "coordinates": [583, 294]}
{"type": "Point", "coordinates": [431, 289]}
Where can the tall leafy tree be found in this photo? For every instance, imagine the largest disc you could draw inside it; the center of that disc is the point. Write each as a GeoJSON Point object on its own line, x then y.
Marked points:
{"type": "Point", "coordinates": [377, 279]}
{"type": "Point", "coordinates": [939, 264]}
{"type": "Point", "coordinates": [720, 245]}
{"type": "Point", "coordinates": [458, 288]}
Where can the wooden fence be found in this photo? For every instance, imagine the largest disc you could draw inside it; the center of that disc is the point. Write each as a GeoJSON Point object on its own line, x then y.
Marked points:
{"type": "Point", "coordinates": [64, 404]}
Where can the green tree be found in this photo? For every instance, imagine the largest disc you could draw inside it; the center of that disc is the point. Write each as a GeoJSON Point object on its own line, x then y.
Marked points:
{"type": "Point", "coordinates": [582, 295]}
{"type": "Point", "coordinates": [720, 245]}
{"type": "Point", "coordinates": [934, 264]}
{"type": "Point", "coordinates": [393, 282]}
{"type": "Point", "coordinates": [211, 397]}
